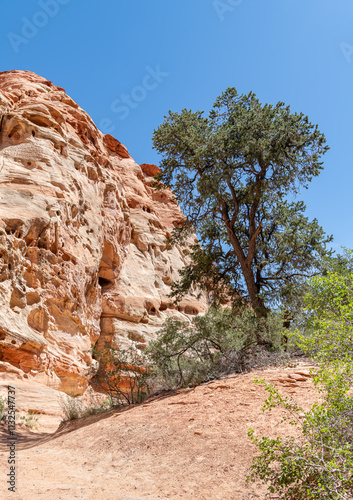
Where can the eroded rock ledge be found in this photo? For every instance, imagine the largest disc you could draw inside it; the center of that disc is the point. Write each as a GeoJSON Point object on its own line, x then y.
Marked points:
{"type": "Point", "coordinates": [83, 254]}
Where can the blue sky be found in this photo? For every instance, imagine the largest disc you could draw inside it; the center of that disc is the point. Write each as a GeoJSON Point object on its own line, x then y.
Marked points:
{"type": "Point", "coordinates": [128, 62]}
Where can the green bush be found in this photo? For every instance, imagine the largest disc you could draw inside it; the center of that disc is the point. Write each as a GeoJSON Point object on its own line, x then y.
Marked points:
{"type": "Point", "coordinates": [211, 346]}
{"type": "Point", "coordinates": [318, 465]}
{"type": "Point", "coordinates": [30, 420]}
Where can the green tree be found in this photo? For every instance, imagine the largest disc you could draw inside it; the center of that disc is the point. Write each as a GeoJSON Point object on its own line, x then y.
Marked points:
{"type": "Point", "coordinates": [232, 173]}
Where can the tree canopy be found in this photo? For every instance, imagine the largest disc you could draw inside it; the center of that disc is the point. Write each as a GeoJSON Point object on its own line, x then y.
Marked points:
{"type": "Point", "coordinates": [233, 173]}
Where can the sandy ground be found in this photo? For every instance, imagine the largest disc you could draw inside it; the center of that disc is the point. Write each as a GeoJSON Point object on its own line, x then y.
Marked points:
{"type": "Point", "coordinates": [191, 444]}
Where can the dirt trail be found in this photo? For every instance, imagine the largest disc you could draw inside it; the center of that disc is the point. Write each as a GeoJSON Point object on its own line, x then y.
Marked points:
{"type": "Point", "coordinates": [192, 444]}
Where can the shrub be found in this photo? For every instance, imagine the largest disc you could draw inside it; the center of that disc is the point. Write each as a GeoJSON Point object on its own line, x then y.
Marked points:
{"type": "Point", "coordinates": [318, 465]}
{"type": "Point", "coordinates": [330, 308]}
{"type": "Point", "coordinates": [123, 374]}
{"type": "Point", "coordinates": [30, 420]}
{"type": "Point", "coordinates": [213, 345]}
{"type": "Point", "coordinates": [72, 407]}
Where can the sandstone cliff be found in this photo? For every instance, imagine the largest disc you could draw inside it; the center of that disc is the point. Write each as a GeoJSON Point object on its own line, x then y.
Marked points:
{"type": "Point", "coordinates": [83, 254]}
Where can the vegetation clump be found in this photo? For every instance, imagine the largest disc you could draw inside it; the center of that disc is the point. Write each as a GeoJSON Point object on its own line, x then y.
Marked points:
{"type": "Point", "coordinates": [211, 346]}
{"type": "Point", "coordinates": [318, 465]}
{"type": "Point", "coordinates": [123, 375]}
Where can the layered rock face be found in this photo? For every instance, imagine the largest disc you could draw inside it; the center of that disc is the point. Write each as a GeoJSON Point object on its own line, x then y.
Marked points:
{"type": "Point", "coordinates": [83, 253]}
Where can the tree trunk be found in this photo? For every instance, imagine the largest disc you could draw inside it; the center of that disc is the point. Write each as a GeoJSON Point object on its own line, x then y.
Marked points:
{"type": "Point", "coordinates": [286, 324]}
{"type": "Point", "coordinates": [256, 303]}
{"type": "Point", "coordinates": [259, 308]}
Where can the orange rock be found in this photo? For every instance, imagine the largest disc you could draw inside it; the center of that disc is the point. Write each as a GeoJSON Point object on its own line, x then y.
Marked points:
{"type": "Point", "coordinates": [83, 253]}
{"type": "Point", "coordinates": [115, 146]}
{"type": "Point", "coordinates": [149, 169]}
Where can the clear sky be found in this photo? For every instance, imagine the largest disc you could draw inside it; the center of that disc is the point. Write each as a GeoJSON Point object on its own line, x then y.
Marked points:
{"type": "Point", "coordinates": [128, 62]}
